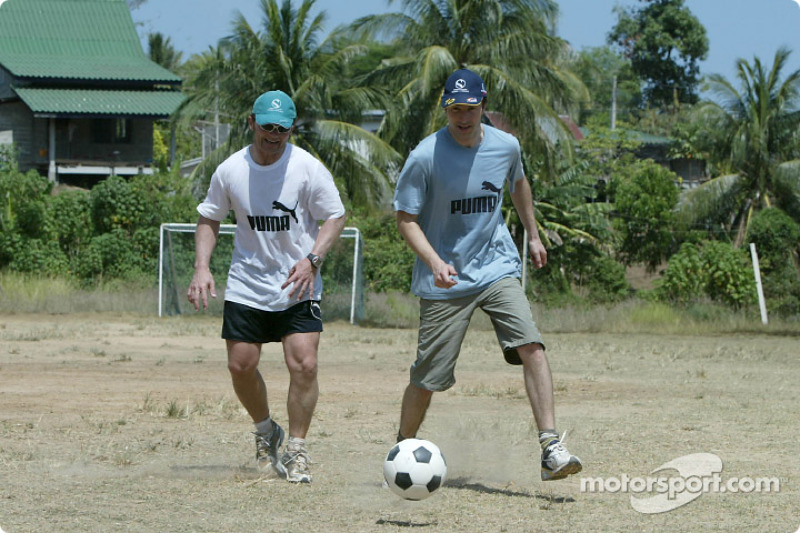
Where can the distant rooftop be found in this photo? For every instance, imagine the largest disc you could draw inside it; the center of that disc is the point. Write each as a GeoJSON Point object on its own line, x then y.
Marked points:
{"type": "Point", "coordinates": [75, 40]}
{"type": "Point", "coordinates": [78, 102]}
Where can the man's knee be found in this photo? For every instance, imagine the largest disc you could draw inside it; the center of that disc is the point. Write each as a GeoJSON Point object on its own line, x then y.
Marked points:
{"type": "Point", "coordinates": [243, 360]}
{"type": "Point", "coordinates": [533, 352]}
{"type": "Point", "coordinates": [302, 366]}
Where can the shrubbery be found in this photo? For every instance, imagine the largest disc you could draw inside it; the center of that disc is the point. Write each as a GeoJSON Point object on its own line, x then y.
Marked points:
{"type": "Point", "coordinates": [713, 270]}
{"type": "Point", "coordinates": [777, 238]}
{"type": "Point", "coordinates": [110, 232]}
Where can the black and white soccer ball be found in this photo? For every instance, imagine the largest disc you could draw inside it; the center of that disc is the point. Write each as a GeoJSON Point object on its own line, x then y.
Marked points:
{"type": "Point", "coordinates": [414, 469]}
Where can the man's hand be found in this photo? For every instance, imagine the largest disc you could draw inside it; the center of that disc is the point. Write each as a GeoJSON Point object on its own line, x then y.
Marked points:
{"type": "Point", "coordinates": [302, 275]}
{"type": "Point", "coordinates": [443, 275]}
{"type": "Point", "coordinates": [537, 252]}
{"type": "Point", "coordinates": [201, 286]}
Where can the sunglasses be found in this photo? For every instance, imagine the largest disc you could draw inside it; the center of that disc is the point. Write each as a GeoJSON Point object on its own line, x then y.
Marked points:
{"type": "Point", "coordinates": [272, 128]}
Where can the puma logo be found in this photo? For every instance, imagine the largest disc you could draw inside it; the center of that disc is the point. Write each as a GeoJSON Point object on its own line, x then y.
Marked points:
{"type": "Point", "coordinates": [480, 204]}
{"type": "Point", "coordinates": [489, 186]}
{"type": "Point", "coordinates": [279, 206]}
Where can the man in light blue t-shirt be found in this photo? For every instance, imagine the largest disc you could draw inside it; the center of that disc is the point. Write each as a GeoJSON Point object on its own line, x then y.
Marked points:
{"type": "Point", "coordinates": [448, 201]}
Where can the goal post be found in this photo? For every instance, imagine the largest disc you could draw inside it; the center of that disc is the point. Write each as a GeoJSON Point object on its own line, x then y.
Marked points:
{"type": "Point", "coordinates": [343, 279]}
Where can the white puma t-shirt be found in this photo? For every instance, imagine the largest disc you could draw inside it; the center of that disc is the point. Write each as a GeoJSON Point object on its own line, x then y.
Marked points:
{"type": "Point", "coordinates": [277, 209]}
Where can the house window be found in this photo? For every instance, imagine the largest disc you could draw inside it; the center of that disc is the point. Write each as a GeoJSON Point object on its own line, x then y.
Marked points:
{"type": "Point", "coordinates": [111, 130]}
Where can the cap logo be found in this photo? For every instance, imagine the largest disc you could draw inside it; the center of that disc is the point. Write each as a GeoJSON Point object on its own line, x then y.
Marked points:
{"type": "Point", "coordinates": [461, 84]}
{"type": "Point", "coordinates": [276, 104]}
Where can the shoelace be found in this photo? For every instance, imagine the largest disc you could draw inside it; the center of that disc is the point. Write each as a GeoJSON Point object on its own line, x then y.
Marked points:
{"type": "Point", "coordinates": [263, 442]}
{"type": "Point", "coordinates": [558, 446]}
{"type": "Point", "coordinates": [300, 458]}
{"type": "Point", "coordinates": [555, 449]}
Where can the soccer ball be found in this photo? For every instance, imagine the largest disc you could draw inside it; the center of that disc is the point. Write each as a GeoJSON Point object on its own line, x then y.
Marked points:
{"type": "Point", "coordinates": [414, 469]}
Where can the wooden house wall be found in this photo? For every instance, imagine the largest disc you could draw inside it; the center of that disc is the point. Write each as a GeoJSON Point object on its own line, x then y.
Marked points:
{"type": "Point", "coordinates": [16, 116]}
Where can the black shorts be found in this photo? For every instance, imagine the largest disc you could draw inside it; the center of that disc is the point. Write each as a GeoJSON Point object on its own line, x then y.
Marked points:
{"type": "Point", "coordinates": [248, 324]}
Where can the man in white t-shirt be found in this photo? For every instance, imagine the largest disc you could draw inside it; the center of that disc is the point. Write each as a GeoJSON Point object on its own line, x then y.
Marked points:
{"type": "Point", "coordinates": [448, 202]}
{"type": "Point", "coordinates": [278, 193]}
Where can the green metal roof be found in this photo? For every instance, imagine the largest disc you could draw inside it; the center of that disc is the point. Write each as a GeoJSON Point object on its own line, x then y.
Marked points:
{"type": "Point", "coordinates": [99, 102]}
{"type": "Point", "coordinates": [74, 39]}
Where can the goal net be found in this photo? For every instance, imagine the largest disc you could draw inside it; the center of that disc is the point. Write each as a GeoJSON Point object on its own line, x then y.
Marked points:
{"type": "Point", "coordinates": [342, 274]}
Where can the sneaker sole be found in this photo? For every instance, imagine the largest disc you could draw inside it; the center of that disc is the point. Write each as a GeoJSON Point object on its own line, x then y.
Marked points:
{"type": "Point", "coordinates": [568, 470]}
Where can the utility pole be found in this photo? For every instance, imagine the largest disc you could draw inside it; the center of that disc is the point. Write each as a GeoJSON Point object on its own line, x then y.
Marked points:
{"type": "Point", "coordinates": [614, 104]}
{"type": "Point", "coordinates": [216, 114]}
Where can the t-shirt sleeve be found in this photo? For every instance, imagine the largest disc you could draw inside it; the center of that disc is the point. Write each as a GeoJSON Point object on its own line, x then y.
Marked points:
{"type": "Point", "coordinates": [325, 200]}
{"type": "Point", "coordinates": [216, 205]}
{"type": "Point", "coordinates": [515, 172]}
{"type": "Point", "coordinates": [409, 195]}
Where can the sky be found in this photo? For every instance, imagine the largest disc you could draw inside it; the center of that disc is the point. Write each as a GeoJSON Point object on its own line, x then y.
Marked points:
{"type": "Point", "coordinates": [735, 28]}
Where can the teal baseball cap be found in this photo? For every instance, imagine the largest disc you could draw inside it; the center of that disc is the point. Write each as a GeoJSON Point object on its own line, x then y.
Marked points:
{"type": "Point", "coordinates": [275, 107]}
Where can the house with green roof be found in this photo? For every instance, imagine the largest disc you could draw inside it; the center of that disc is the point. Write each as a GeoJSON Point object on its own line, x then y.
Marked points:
{"type": "Point", "coordinates": [78, 95]}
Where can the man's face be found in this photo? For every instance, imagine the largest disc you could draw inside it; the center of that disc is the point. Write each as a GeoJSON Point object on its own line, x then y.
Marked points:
{"type": "Point", "coordinates": [464, 123]}
{"type": "Point", "coordinates": [268, 146]}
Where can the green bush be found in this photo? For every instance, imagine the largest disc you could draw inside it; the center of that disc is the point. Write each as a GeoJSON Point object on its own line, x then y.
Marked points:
{"type": "Point", "coordinates": [683, 279]}
{"type": "Point", "coordinates": [115, 205]}
{"type": "Point", "coordinates": [714, 270]}
{"type": "Point", "coordinates": [729, 274]}
{"type": "Point", "coordinates": [644, 203]}
{"type": "Point", "coordinates": [38, 256]}
{"type": "Point", "coordinates": [74, 230]}
{"type": "Point", "coordinates": [607, 283]}
{"type": "Point", "coordinates": [109, 232]}
{"type": "Point", "coordinates": [388, 261]}
{"type": "Point", "coordinates": [776, 237]}
{"type": "Point", "coordinates": [23, 199]}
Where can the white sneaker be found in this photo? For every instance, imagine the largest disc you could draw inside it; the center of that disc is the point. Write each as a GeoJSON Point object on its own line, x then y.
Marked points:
{"type": "Point", "coordinates": [558, 463]}
{"type": "Point", "coordinates": [295, 462]}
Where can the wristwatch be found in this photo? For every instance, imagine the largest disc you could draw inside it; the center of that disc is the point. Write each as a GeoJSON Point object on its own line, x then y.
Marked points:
{"type": "Point", "coordinates": [316, 261]}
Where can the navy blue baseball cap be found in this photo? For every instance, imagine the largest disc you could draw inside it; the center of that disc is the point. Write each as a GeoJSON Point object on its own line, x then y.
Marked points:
{"type": "Point", "coordinates": [463, 87]}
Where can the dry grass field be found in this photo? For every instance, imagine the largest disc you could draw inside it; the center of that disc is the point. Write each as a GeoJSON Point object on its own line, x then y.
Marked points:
{"type": "Point", "coordinates": [129, 423]}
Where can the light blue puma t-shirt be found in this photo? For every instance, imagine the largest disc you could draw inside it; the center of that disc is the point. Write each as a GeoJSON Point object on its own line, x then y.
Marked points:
{"type": "Point", "coordinates": [457, 192]}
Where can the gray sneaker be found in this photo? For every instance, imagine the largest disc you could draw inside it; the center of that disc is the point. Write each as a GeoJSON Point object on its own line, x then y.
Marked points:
{"type": "Point", "coordinates": [558, 463]}
{"type": "Point", "coordinates": [267, 446]}
{"type": "Point", "coordinates": [296, 462]}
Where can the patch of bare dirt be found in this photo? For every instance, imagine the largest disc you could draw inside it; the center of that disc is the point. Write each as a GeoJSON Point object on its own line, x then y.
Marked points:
{"type": "Point", "coordinates": [120, 423]}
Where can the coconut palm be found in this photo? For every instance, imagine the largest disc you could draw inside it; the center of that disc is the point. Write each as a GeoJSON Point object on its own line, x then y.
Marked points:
{"type": "Point", "coordinates": [162, 51]}
{"type": "Point", "coordinates": [288, 56]}
{"type": "Point", "coordinates": [753, 137]}
{"type": "Point", "coordinates": [509, 43]}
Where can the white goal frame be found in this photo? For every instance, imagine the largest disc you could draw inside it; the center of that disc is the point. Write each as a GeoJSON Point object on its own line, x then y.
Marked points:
{"type": "Point", "coordinates": [229, 229]}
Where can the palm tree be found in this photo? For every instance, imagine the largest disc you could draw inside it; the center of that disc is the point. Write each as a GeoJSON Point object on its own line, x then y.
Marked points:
{"type": "Point", "coordinates": [564, 214]}
{"type": "Point", "coordinates": [753, 136]}
{"type": "Point", "coordinates": [509, 43]}
{"type": "Point", "coordinates": [286, 56]}
{"type": "Point", "coordinates": [161, 51]}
